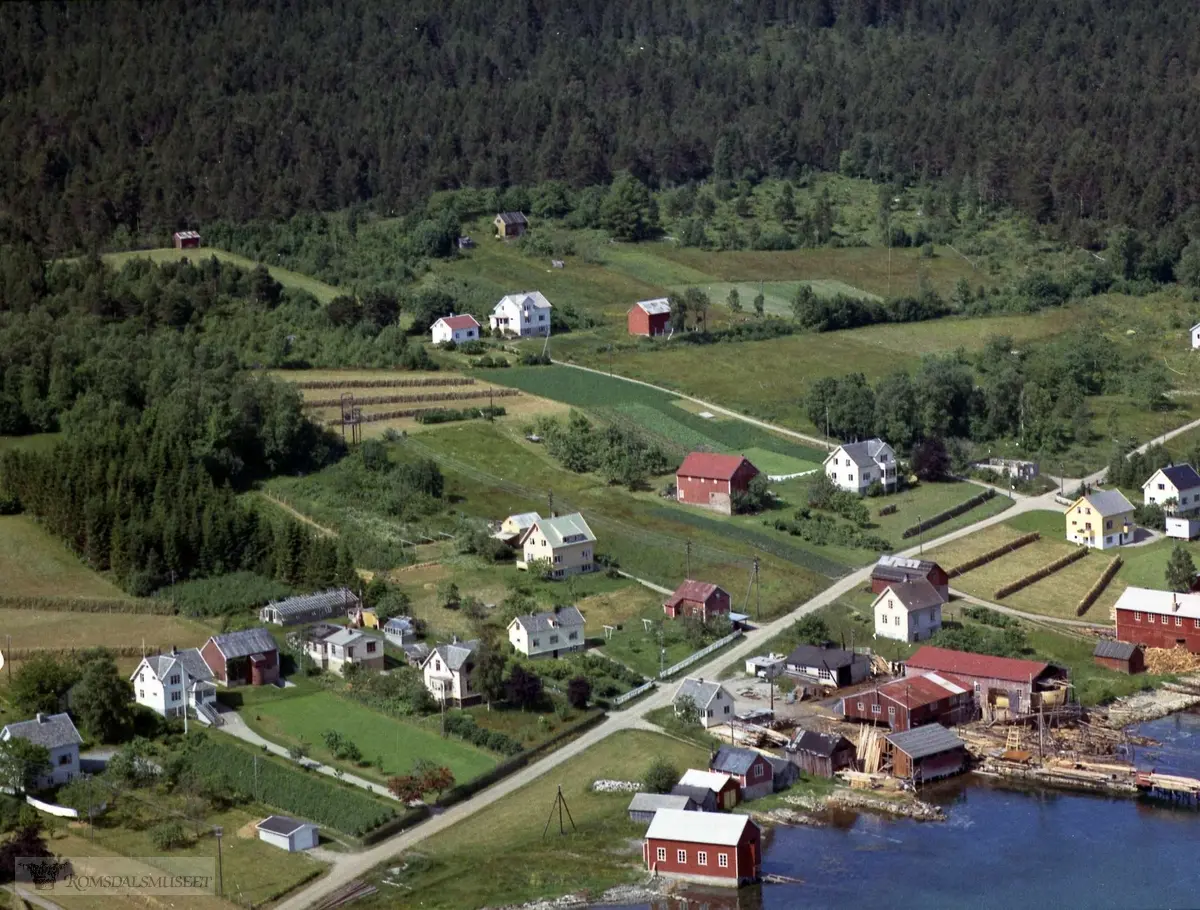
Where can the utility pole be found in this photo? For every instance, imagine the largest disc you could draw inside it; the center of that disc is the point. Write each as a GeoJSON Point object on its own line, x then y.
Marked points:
{"type": "Point", "coordinates": [687, 549]}
{"type": "Point", "coordinates": [550, 501]}
{"type": "Point", "coordinates": [491, 413]}
{"type": "Point", "coordinates": [757, 592]}
{"type": "Point", "coordinates": [920, 537]}
{"type": "Point", "coordinates": [8, 658]}
{"type": "Point", "coordinates": [218, 831]}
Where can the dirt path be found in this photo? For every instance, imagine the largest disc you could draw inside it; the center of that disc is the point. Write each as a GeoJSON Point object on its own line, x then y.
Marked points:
{"type": "Point", "coordinates": [298, 515]}
{"type": "Point", "coordinates": [715, 408]}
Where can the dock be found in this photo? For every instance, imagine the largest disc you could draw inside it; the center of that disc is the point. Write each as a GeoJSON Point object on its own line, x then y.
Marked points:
{"type": "Point", "coordinates": [1169, 786]}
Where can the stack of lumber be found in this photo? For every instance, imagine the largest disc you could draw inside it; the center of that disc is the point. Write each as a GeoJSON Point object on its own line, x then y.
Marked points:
{"type": "Point", "coordinates": [870, 747]}
{"type": "Point", "coordinates": [1161, 661]}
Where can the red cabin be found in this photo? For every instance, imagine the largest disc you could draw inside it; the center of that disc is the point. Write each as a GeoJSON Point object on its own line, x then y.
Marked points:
{"type": "Point", "coordinates": [710, 481]}
{"type": "Point", "coordinates": [709, 847]}
{"type": "Point", "coordinates": [700, 599]}
{"type": "Point", "coordinates": [186, 240]}
{"type": "Point", "coordinates": [246, 658]}
{"type": "Point", "coordinates": [650, 317]}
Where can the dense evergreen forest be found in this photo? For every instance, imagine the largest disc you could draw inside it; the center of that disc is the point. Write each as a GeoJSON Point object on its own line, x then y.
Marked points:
{"type": "Point", "coordinates": [121, 121]}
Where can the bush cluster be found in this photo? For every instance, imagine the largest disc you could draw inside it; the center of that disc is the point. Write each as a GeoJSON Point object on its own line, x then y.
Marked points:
{"type": "Point", "coordinates": [954, 512]}
{"type": "Point", "coordinates": [464, 727]}
{"type": "Point", "coordinates": [824, 530]}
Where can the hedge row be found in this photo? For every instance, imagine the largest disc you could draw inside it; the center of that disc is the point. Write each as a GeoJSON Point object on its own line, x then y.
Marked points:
{"type": "Point", "coordinates": [984, 558]}
{"type": "Point", "coordinates": [416, 413]}
{"type": "Point", "coordinates": [295, 791]}
{"type": "Point", "coordinates": [146, 605]}
{"type": "Point", "coordinates": [888, 510]}
{"type": "Point", "coordinates": [464, 727]}
{"type": "Point", "coordinates": [1098, 588]}
{"type": "Point", "coordinates": [953, 512]}
{"type": "Point", "coordinates": [411, 383]}
{"type": "Point", "coordinates": [420, 398]}
{"type": "Point", "coordinates": [1038, 574]}
{"type": "Point", "coordinates": [450, 415]}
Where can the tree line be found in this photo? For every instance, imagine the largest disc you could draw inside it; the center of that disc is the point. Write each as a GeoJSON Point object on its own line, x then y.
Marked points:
{"type": "Point", "coordinates": [117, 126]}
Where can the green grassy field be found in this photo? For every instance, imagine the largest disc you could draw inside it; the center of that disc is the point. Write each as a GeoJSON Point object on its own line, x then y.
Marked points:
{"type": "Point", "coordinates": [36, 442]}
{"type": "Point", "coordinates": [777, 295]}
{"type": "Point", "coordinates": [778, 465]}
{"type": "Point", "coordinates": [503, 846]}
{"type": "Point", "coordinates": [306, 717]}
{"type": "Point", "coordinates": [289, 279]}
{"type": "Point", "coordinates": [34, 564]}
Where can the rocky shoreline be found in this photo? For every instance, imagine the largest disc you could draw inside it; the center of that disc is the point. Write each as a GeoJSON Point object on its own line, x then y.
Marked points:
{"type": "Point", "coordinates": [811, 811]}
{"type": "Point", "coordinates": [1169, 698]}
{"type": "Point", "coordinates": [619, 895]}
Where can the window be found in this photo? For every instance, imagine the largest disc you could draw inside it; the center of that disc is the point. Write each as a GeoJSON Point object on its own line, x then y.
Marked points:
{"type": "Point", "coordinates": [174, 696]}
{"type": "Point", "coordinates": [175, 679]}
{"type": "Point", "coordinates": [572, 636]}
{"type": "Point", "coordinates": [64, 759]}
{"type": "Point", "coordinates": [553, 639]}
{"type": "Point", "coordinates": [141, 693]}
{"type": "Point", "coordinates": [896, 620]}
{"type": "Point", "coordinates": [723, 860]}
{"type": "Point", "coordinates": [727, 709]}
{"type": "Point", "coordinates": [1162, 486]}
{"type": "Point", "coordinates": [891, 710]}
{"type": "Point", "coordinates": [662, 854]}
{"type": "Point", "coordinates": [701, 858]}
{"type": "Point", "coordinates": [875, 709]}
{"type": "Point", "coordinates": [1137, 616]}
{"type": "Point", "coordinates": [1150, 618]}
{"type": "Point", "coordinates": [558, 557]}
{"type": "Point", "coordinates": [537, 642]}
{"type": "Point", "coordinates": [860, 706]}
{"type": "Point", "coordinates": [1196, 623]}
{"type": "Point", "coordinates": [370, 647]}
{"type": "Point", "coordinates": [681, 856]}
{"type": "Point", "coordinates": [1178, 621]}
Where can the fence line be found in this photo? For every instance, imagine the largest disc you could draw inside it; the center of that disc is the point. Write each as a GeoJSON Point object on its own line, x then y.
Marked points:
{"type": "Point", "coordinates": [633, 693]}
{"type": "Point", "coordinates": [702, 653]}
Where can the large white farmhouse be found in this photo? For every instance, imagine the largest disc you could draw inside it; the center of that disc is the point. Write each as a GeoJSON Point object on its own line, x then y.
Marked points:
{"type": "Point", "coordinates": [526, 313]}
{"type": "Point", "coordinates": [169, 684]}
{"type": "Point", "coordinates": [1176, 488]}
{"type": "Point", "coordinates": [854, 466]}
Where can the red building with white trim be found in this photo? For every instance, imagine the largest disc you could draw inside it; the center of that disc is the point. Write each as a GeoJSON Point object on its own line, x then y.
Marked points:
{"type": "Point", "coordinates": [186, 240]}
{"type": "Point", "coordinates": [913, 701]}
{"type": "Point", "coordinates": [1159, 619]}
{"type": "Point", "coordinates": [709, 480]}
{"type": "Point", "coordinates": [650, 317]}
{"type": "Point", "coordinates": [713, 848]}
{"type": "Point", "coordinates": [700, 599]}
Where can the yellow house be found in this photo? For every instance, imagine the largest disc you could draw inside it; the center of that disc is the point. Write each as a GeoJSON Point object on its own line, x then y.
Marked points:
{"type": "Point", "coordinates": [515, 525]}
{"type": "Point", "coordinates": [566, 542]}
{"type": "Point", "coordinates": [1101, 519]}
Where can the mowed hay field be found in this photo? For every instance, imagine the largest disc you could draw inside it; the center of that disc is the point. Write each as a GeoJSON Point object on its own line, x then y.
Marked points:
{"type": "Point", "coordinates": [34, 564]}
{"type": "Point", "coordinates": [424, 390]}
{"type": "Point", "coordinates": [54, 629]}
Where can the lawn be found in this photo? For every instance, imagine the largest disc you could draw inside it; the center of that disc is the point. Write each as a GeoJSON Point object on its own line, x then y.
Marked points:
{"type": "Point", "coordinates": [399, 744]}
{"type": "Point", "coordinates": [925, 500]}
{"type": "Point", "coordinates": [34, 564]}
{"type": "Point", "coordinates": [32, 629]}
{"type": "Point", "coordinates": [777, 465]}
{"type": "Point", "coordinates": [254, 872]}
{"type": "Point", "coordinates": [984, 581]}
{"type": "Point", "coordinates": [777, 295]}
{"type": "Point", "coordinates": [959, 551]}
{"type": "Point", "coordinates": [638, 647]}
{"type": "Point", "coordinates": [289, 279]}
{"type": "Point", "coordinates": [503, 847]}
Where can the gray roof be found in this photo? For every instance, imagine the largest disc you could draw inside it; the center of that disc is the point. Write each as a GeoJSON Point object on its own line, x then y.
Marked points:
{"type": "Point", "coordinates": [733, 760]}
{"type": "Point", "coordinates": [902, 568]}
{"type": "Point", "coordinates": [513, 217]}
{"type": "Point", "coordinates": [817, 656]}
{"type": "Point", "coordinates": [456, 653]}
{"type": "Point", "coordinates": [562, 529]}
{"type": "Point", "coordinates": [701, 692]}
{"type": "Point", "coordinates": [1118, 650]}
{"type": "Point", "coordinates": [818, 743]}
{"type": "Point", "coordinates": [928, 740]}
{"type": "Point", "coordinates": [698, 795]}
{"type": "Point", "coordinates": [345, 636]}
{"type": "Point", "coordinates": [656, 306]}
{"type": "Point", "coordinates": [281, 824]}
{"type": "Point", "coordinates": [551, 619]}
{"type": "Point", "coordinates": [916, 595]}
{"type": "Point", "coordinates": [49, 730]}
{"type": "Point", "coordinates": [189, 658]}
{"type": "Point", "coordinates": [863, 453]}
{"type": "Point", "coordinates": [245, 643]}
{"type": "Point", "coordinates": [399, 624]}
{"type": "Point", "coordinates": [651, 802]}
{"type": "Point", "coordinates": [1108, 502]}
{"type": "Point", "coordinates": [324, 603]}
{"type": "Point", "coordinates": [417, 651]}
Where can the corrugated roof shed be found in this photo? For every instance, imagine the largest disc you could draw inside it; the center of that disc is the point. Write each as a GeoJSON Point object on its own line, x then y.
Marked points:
{"type": "Point", "coordinates": [651, 802]}
{"type": "Point", "coordinates": [931, 739]}
{"type": "Point", "coordinates": [697, 591]}
{"type": "Point", "coordinates": [1115, 650]}
{"type": "Point", "coordinates": [245, 643]}
{"type": "Point", "coordinates": [733, 760]}
{"type": "Point", "coordinates": [655, 307]}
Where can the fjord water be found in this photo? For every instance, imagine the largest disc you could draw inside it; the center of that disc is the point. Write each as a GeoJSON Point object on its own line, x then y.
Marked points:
{"type": "Point", "coordinates": [1002, 847]}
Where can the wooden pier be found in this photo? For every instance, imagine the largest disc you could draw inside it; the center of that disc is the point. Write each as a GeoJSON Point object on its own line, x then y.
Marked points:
{"type": "Point", "coordinates": [1169, 786]}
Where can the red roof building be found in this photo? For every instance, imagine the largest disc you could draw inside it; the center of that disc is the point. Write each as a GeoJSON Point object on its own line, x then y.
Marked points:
{"type": "Point", "coordinates": [710, 847]}
{"type": "Point", "coordinates": [186, 240]}
{"type": "Point", "coordinates": [700, 599]}
{"type": "Point", "coordinates": [455, 328]}
{"type": "Point", "coordinates": [913, 701]}
{"type": "Point", "coordinates": [1004, 687]}
{"type": "Point", "coordinates": [710, 481]}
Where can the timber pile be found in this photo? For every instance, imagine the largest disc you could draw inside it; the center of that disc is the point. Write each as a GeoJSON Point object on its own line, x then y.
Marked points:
{"type": "Point", "coordinates": [1162, 661]}
{"type": "Point", "coordinates": [345, 894]}
{"type": "Point", "coordinates": [870, 747]}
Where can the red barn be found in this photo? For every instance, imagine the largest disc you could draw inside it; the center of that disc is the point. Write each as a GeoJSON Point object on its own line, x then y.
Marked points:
{"type": "Point", "coordinates": [186, 240]}
{"type": "Point", "coordinates": [700, 599]}
{"type": "Point", "coordinates": [650, 317]}
{"type": "Point", "coordinates": [912, 702]}
{"type": "Point", "coordinates": [900, 569]}
{"type": "Point", "coordinates": [713, 848]}
{"type": "Point", "coordinates": [246, 658]}
{"type": "Point", "coordinates": [1004, 687]}
{"type": "Point", "coordinates": [1159, 619]}
{"type": "Point", "coordinates": [709, 480]}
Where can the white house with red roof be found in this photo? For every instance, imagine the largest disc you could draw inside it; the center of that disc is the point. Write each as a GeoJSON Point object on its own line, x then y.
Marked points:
{"type": "Point", "coordinates": [700, 599]}
{"type": "Point", "coordinates": [455, 328]}
{"type": "Point", "coordinates": [710, 481]}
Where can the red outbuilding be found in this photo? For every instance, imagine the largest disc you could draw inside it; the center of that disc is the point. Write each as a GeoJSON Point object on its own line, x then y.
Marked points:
{"type": "Point", "coordinates": [1004, 687]}
{"type": "Point", "coordinates": [1120, 656]}
{"type": "Point", "coordinates": [912, 702]}
{"type": "Point", "coordinates": [710, 481]}
{"type": "Point", "coordinates": [700, 599]}
{"type": "Point", "coordinates": [246, 658]}
{"type": "Point", "coordinates": [650, 317]}
{"type": "Point", "coordinates": [892, 570]}
{"type": "Point", "coordinates": [186, 240]}
{"type": "Point", "coordinates": [708, 847]}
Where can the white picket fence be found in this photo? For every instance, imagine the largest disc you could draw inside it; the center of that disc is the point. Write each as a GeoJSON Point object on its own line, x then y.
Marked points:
{"type": "Point", "coordinates": [60, 811]}
{"type": "Point", "coordinates": [633, 693]}
{"type": "Point", "coordinates": [702, 653]}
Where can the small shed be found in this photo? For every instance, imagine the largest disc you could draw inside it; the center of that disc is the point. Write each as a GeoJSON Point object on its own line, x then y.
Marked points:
{"type": "Point", "coordinates": [1121, 656]}
{"type": "Point", "coordinates": [287, 833]}
{"type": "Point", "coordinates": [643, 805]}
{"type": "Point", "coordinates": [186, 240]}
{"type": "Point", "coordinates": [1182, 527]}
{"type": "Point", "coordinates": [751, 769]}
{"type": "Point", "coordinates": [726, 787]}
{"type": "Point", "coordinates": [927, 753]}
{"type": "Point", "coordinates": [820, 754]}
{"type": "Point", "coordinates": [510, 224]}
{"type": "Point", "coordinates": [650, 318]}
{"type": "Point", "coordinates": [704, 799]}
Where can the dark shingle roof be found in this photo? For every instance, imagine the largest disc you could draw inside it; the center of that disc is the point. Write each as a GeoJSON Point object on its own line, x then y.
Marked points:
{"type": "Point", "coordinates": [698, 795]}
{"type": "Point", "coordinates": [818, 743]}
{"type": "Point", "coordinates": [732, 760]}
{"type": "Point", "coordinates": [1117, 650]}
{"type": "Point", "coordinates": [1183, 476]}
{"type": "Point", "coordinates": [928, 740]}
{"type": "Point", "coordinates": [245, 643]}
{"type": "Point", "coordinates": [816, 656]}
{"type": "Point", "coordinates": [280, 824]}
{"type": "Point", "coordinates": [513, 218]}
{"type": "Point", "coordinates": [49, 730]}
{"type": "Point", "coordinates": [902, 568]}
{"type": "Point", "coordinates": [916, 595]}
{"type": "Point", "coordinates": [551, 619]}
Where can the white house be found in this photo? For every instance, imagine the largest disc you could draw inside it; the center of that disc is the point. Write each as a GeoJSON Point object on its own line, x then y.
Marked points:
{"type": "Point", "coordinates": [455, 328]}
{"type": "Point", "coordinates": [1176, 488]}
{"type": "Point", "coordinates": [1196, 335]}
{"type": "Point", "coordinates": [447, 672]}
{"type": "Point", "coordinates": [854, 466]}
{"type": "Point", "coordinates": [526, 313]}
{"type": "Point", "coordinates": [908, 611]}
{"type": "Point", "coordinates": [547, 634]}
{"type": "Point", "coordinates": [169, 684]}
{"type": "Point", "coordinates": [333, 648]}
{"type": "Point", "coordinates": [713, 702]}
{"type": "Point", "coordinates": [565, 542]}
{"type": "Point", "coordinates": [58, 734]}
{"type": "Point", "coordinates": [288, 834]}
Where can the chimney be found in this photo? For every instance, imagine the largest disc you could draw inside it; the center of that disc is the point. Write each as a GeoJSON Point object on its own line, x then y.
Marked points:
{"type": "Point", "coordinates": [174, 650]}
{"type": "Point", "coordinates": [41, 718]}
{"type": "Point", "coordinates": [453, 639]}
{"type": "Point", "coordinates": [1174, 602]}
